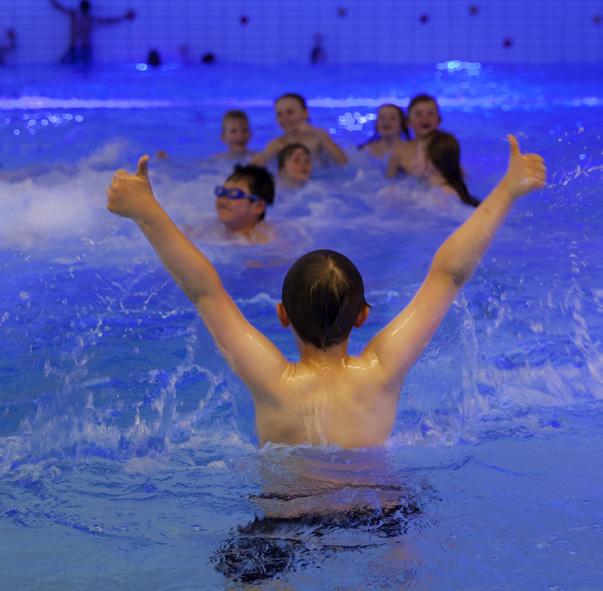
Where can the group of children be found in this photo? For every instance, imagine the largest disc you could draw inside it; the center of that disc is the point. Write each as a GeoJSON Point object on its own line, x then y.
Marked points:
{"type": "Point", "coordinates": [429, 153]}
{"type": "Point", "coordinates": [328, 396]}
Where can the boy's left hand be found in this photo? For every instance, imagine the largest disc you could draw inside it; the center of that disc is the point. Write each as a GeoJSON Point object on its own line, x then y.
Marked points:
{"type": "Point", "coordinates": [129, 195]}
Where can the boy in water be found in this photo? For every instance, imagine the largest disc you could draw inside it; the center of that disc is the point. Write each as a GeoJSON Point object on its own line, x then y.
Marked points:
{"type": "Point", "coordinates": [294, 166]}
{"type": "Point", "coordinates": [411, 157]}
{"type": "Point", "coordinates": [236, 134]}
{"type": "Point", "coordinates": [241, 203]}
{"type": "Point", "coordinates": [328, 397]}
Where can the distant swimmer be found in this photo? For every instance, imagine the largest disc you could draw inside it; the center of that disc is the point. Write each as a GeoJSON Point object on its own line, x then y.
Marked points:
{"type": "Point", "coordinates": [292, 116]}
{"type": "Point", "coordinates": [11, 37]}
{"type": "Point", "coordinates": [328, 397]}
{"type": "Point", "coordinates": [294, 166]}
{"type": "Point", "coordinates": [81, 26]}
{"type": "Point", "coordinates": [236, 133]}
{"type": "Point", "coordinates": [411, 157]}
{"type": "Point", "coordinates": [390, 132]}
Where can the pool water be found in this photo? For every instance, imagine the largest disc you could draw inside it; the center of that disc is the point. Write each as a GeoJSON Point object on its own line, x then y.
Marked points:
{"type": "Point", "coordinates": [128, 456]}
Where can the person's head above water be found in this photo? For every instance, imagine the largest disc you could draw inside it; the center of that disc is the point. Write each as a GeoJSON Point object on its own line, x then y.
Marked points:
{"type": "Point", "coordinates": [295, 164]}
{"type": "Point", "coordinates": [424, 115]}
{"type": "Point", "coordinates": [390, 126]}
{"type": "Point", "coordinates": [323, 298]}
{"type": "Point", "coordinates": [236, 130]}
{"type": "Point", "coordinates": [391, 122]}
{"type": "Point", "coordinates": [85, 7]}
{"type": "Point", "coordinates": [291, 111]}
{"type": "Point", "coordinates": [241, 202]}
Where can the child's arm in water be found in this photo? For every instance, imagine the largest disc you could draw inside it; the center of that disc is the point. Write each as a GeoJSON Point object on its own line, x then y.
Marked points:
{"type": "Point", "coordinates": [334, 151]}
{"type": "Point", "coordinates": [251, 355]}
{"type": "Point", "coordinates": [268, 153]}
{"type": "Point", "coordinates": [401, 342]}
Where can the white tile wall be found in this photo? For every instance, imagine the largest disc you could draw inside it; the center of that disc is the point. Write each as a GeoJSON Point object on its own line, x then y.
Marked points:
{"type": "Point", "coordinates": [281, 31]}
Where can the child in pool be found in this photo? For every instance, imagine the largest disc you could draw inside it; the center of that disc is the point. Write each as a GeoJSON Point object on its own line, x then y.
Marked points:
{"type": "Point", "coordinates": [236, 133]}
{"type": "Point", "coordinates": [292, 116]}
{"type": "Point", "coordinates": [241, 204]}
{"type": "Point", "coordinates": [328, 397]}
{"type": "Point", "coordinates": [410, 157]}
{"type": "Point", "coordinates": [444, 167]}
{"type": "Point", "coordinates": [390, 132]}
{"type": "Point", "coordinates": [294, 166]}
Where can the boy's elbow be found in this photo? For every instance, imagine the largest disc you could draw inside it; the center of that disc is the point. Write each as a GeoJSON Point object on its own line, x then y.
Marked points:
{"type": "Point", "coordinates": [459, 277]}
{"type": "Point", "coordinates": [457, 274]}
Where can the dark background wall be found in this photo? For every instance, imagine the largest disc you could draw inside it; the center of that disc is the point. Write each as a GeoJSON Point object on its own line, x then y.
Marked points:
{"type": "Point", "coordinates": [354, 31]}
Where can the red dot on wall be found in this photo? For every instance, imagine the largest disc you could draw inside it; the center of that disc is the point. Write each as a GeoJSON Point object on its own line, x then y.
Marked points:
{"type": "Point", "coordinates": [507, 42]}
{"type": "Point", "coordinates": [597, 19]}
{"type": "Point", "coordinates": [474, 10]}
{"type": "Point", "coordinates": [424, 19]}
{"type": "Point", "coordinates": [244, 20]}
{"type": "Point", "coordinates": [342, 12]}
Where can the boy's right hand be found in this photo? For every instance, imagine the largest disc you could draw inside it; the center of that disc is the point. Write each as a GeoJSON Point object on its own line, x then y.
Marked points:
{"type": "Point", "coordinates": [129, 195]}
{"type": "Point", "coordinates": [526, 172]}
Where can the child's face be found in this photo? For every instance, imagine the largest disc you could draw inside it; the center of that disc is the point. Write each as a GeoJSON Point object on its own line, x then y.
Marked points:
{"type": "Point", "coordinates": [424, 118]}
{"type": "Point", "coordinates": [236, 134]}
{"type": "Point", "coordinates": [239, 214]}
{"type": "Point", "coordinates": [388, 122]}
{"type": "Point", "coordinates": [290, 114]}
{"type": "Point", "coordinates": [298, 166]}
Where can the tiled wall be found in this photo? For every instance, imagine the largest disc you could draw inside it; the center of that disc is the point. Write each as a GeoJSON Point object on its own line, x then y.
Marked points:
{"type": "Point", "coordinates": [354, 31]}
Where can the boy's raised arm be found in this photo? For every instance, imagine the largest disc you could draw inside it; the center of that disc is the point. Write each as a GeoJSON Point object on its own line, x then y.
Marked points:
{"type": "Point", "coordinates": [252, 356]}
{"type": "Point", "coordinates": [401, 342]}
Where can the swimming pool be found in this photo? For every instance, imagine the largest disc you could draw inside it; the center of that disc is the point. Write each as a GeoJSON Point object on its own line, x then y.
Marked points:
{"type": "Point", "coordinates": [128, 458]}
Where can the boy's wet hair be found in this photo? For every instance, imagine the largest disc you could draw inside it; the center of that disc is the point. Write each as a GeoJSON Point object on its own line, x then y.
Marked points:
{"type": "Point", "coordinates": [296, 97]}
{"type": "Point", "coordinates": [235, 115]}
{"type": "Point", "coordinates": [260, 181]}
{"type": "Point", "coordinates": [444, 152]}
{"type": "Point", "coordinates": [288, 151]}
{"type": "Point", "coordinates": [423, 98]}
{"type": "Point", "coordinates": [323, 293]}
{"type": "Point", "coordinates": [85, 7]}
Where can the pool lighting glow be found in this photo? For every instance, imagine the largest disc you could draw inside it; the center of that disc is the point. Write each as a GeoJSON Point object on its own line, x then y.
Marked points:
{"type": "Point", "coordinates": [472, 68]}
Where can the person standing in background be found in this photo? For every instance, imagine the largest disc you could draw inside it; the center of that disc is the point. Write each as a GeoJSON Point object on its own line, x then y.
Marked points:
{"type": "Point", "coordinates": [81, 25]}
{"type": "Point", "coordinates": [12, 43]}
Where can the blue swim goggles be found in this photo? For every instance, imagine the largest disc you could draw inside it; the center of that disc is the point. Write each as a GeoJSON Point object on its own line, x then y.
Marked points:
{"type": "Point", "coordinates": [222, 191]}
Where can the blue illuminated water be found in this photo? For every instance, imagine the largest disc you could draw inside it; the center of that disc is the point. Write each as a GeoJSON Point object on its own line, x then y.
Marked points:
{"type": "Point", "coordinates": [128, 457]}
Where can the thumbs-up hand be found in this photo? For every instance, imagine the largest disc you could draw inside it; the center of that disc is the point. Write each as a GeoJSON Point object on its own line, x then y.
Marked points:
{"type": "Point", "coordinates": [526, 172]}
{"type": "Point", "coordinates": [130, 194]}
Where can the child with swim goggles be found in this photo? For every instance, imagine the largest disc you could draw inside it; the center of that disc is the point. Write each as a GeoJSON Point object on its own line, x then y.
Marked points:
{"type": "Point", "coordinates": [242, 200]}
